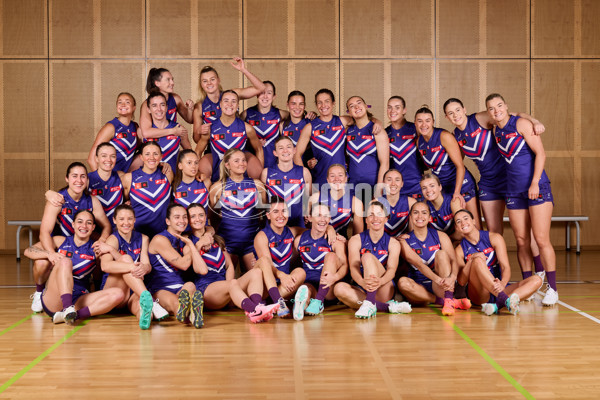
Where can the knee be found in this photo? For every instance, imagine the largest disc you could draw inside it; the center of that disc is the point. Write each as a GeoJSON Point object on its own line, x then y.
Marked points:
{"type": "Point", "coordinates": [331, 259]}
{"type": "Point", "coordinates": [115, 295]}
{"type": "Point", "coordinates": [64, 264]}
{"type": "Point", "coordinates": [263, 263]}
{"type": "Point", "coordinates": [405, 284]}
{"type": "Point", "coordinates": [340, 290]}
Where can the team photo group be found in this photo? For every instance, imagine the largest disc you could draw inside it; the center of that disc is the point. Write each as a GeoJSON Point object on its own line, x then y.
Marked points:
{"type": "Point", "coordinates": [284, 212]}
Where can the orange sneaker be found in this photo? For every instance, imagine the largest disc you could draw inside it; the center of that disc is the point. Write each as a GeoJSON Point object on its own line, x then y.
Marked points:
{"type": "Point", "coordinates": [448, 308]}
{"type": "Point", "coordinates": [462, 304]}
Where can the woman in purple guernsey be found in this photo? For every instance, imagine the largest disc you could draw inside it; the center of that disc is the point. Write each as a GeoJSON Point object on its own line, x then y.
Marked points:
{"type": "Point", "coordinates": [373, 259]}
{"type": "Point", "coordinates": [67, 297]}
{"type": "Point", "coordinates": [483, 264]}
{"type": "Point", "coordinates": [440, 152]}
{"type": "Point", "coordinates": [397, 205]}
{"type": "Point", "coordinates": [441, 205]}
{"type": "Point", "coordinates": [149, 191]}
{"type": "Point", "coordinates": [368, 154]}
{"type": "Point", "coordinates": [432, 264]}
{"type": "Point", "coordinates": [188, 188]}
{"type": "Point", "coordinates": [230, 132]}
{"type": "Point", "coordinates": [121, 132]}
{"type": "Point", "coordinates": [529, 198]}
{"type": "Point", "coordinates": [474, 135]}
{"type": "Point", "coordinates": [402, 136]}
{"type": "Point", "coordinates": [215, 283]}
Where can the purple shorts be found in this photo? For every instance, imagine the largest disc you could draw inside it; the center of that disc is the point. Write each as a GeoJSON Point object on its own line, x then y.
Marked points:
{"type": "Point", "coordinates": [521, 201]}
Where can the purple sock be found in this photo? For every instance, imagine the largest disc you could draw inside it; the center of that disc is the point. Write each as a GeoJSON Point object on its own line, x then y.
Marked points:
{"type": "Point", "coordinates": [537, 262]}
{"type": "Point", "coordinates": [274, 293]}
{"type": "Point", "coordinates": [551, 276]}
{"type": "Point", "coordinates": [256, 298]}
{"type": "Point", "coordinates": [383, 307]}
{"type": "Point", "coordinates": [526, 274]}
{"type": "Point", "coordinates": [439, 301]}
{"type": "Point", "coordinates": [67, 300]}
{"type": "Point", "coordinates": [39, 288]}
{"type": "Point", "coordinates": [448, 294]}
{"type": "Point", "coordinates": [322, 292]}
{"type": "Point", "coordinates": [501, 300]}
{"type": "Point", "coordinates": [371, 296]}
{"type": "Point", "coordinates": [248, 305]}
{"type": "Point", "coordinates": [84, 313]}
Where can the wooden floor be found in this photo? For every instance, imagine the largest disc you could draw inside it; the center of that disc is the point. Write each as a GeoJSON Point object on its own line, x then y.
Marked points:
{"type": "Point", "coordinates": [544, 353]}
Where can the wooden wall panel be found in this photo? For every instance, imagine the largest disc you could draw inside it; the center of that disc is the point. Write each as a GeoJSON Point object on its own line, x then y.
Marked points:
{"type": "Point", "coordinates": [71, 106]}
{"type": "Point", "coordinates": [117, 77]}
{"type": "Point", "coordinates": [314, 75]}
{"type": "Point", "coordinates": [24, 28]}
{"type": "Point", "coordinates": [590, 117]}
{"type": "Point", "coordinates": [458, 28]}
{"type": "Point", "coordinates": [590, 29]}
{"type": "Point", "coordinates": [458, 79]}
{"type": "Point", "coordinates": [59, 171]}
{"type": "Point", "coordinates": [511, 80]}
{"type": "Point", "coordinates": [122, 28]}
{"type": "Point", "coordinates": [219, 30]}
{"type": "Point", "coordinates": [412, 28]}
{"type": "Point", "coordinates": [169, 28]}
{"type": "Point", "coordinates": [24, 114]}
{"type": "Point", "coordinates": [365, 79]}
{"type": "Point", "coordinates": [69, 35]}
{"type": "Point", "coordinates": [316, 29]}
{"type": "Point", "coordinates": [590, 193]}
{"type": "Point", "coordinates": [266, 28]}
{"type": "Point", "coordinates": [560, 170]}
{"type": "Point", "coordinates": [553, 102]}
{"type": "Point", "coordinates": [362, 28]}
{"type": "Point", "coordinates": [275, 71]}
{"type": "Point", "coordinates": [507, 28]}
{"type": "Point", "coordinates": [553, 28]}
{"type": "Point", "coordinates": [414, 82]}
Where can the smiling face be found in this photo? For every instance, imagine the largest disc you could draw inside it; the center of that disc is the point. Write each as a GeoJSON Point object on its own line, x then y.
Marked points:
{"type": "Point", "coordinates": [431, 189]}
{"type": "Point", "coordinates": [296, 106]}
{"type": "Point", "coordinates": [197, 218]}
{"type": "Point", "coordinates": [265, 99]}
{"type": "Point", "coordinates": [456, 114]}
{"type": "Point", "coordinates": [424, 123]}
{"type": "Point", "coordinates": [356, 107]}
{"type": "Point", "coordinates": [210, 81]}
{"type": "Point", "coordinates": [77, 179]}
{"type": "Point", "coordinates": [395, 110]}
{"type": "Point", "coordinates": [83, 225]}
{"type": "Point", "coordinates": [124, 221]}
{"type": "Point", "coordinates": [278, 215]}
{"type": "Point", "coordinates": [106, 158]}
{"type": "Point", "coordinates": [237, 164]}
{"type": "Point", "coordinates": [419, 215]}
{"type": "Point", "coordinates": [158, 108]}
{"type": "Point", "coordinates": [166, 83]}
{"type": "Point", "coordinates": [393, 182]}
{"type": "Point", "coordinates": [189, 164]}
{"type": "Point", "coordinates": [497, 109]}
{"type": "Point", "coordinates": [376, 218]}
{"type": "Point", "coordinates": [336, 177]}
{"type": "Point", "coordinates": [464, 222]}
{"type": "Point", "coordinates": [178, 219]}
{"type": "Point", "coordinates": [229, 104]}
{"type": "Point", "coordinates": [284, 150]}
{"type": "Point", "coordinates": [125, 105]}
{"type": "Point", "coordinates": [325, 104]}
{"type": "Point", "coordinates": [319, 218]}
{"type": "Point", "coordinates": [151, 156]}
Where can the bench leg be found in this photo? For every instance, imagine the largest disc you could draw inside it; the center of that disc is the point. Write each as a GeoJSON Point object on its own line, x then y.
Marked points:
{"type": "Point", "coordinates": [568, 236]}
{"type": "Point", "coordinates": [578, 251]}
{"type": "Point", "coordinates": [19, 242]}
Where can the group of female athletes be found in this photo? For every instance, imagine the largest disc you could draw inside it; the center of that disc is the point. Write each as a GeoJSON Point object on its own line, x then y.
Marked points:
{"type": "Point", "coordinates": [277, 192]}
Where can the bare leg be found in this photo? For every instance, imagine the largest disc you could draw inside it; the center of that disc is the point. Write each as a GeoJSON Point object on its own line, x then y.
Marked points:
{"type": "Point", "coordinates": [216, 295]}
{"type": "Point", "coordinates": [473, 206]}
{"type": "Point", "coordinates": [493, 211]}
{"type": "Point", "coordinates": [521, 225]}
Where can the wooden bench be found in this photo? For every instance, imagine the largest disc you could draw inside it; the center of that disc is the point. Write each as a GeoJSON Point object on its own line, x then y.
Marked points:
{"type": "Point", "coordinates": [21, 225]}
{"type": "Point", "coordinates": [568, 219]}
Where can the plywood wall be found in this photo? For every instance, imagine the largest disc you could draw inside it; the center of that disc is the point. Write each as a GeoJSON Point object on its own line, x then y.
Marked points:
{"type": "Point", "coordinates": [63, 62]}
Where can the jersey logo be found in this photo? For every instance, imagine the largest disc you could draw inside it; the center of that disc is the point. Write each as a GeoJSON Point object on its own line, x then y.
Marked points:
{"type": "Point", "coordinates": [115, 188]}
{"type": "Point", "coordinates": [337, 128]}
{"type": "Point", "coordinates": [304, 249]}
{"type": "Point", "coordinates": [433, 248]}
{"type": "Point", "coordinates": [160, 181]}
{"type": "Point", "coordinates": [365, 251]}
{"type": "Point", "coordinates": [288, 133]}
{"type": "Point", "coordinates": [324, 249]}
{"type": "Point", "coordinates": [210, 114]}
{"type": "Point", "coordinates": [406, 137]}
{"type": "Point", "coordinates": [237, 134]}
{"type": "Point", "coordinates": [69, 254]}
{"type": "Point", "coordinates": [179, 195]}
{"type": "Point", "coordinates": [477, 132]}
{"type": "Point", "coordinates": [141, 185]}
{"type": "Point", "coordinates": [511, 135]}
{"type": "Point", "coordinates": [295, 181]}
{"type": "Point", "coordinates": [86, 256]}
{"type": "Point", "coordinates": [274, 244]}
{"type": "Point", "coordinates": [253, 122]}
{"type": "Point", "coordinates": [488, 250]}
{"type": "Point", "coordinates": [286, 241]}
{"type": "Point", "coordinates": [97, 192]}
{"type": "Point", "coordinates": [272, 121]}
{"type": "Point", "coordinates": [437, 148]}
{"type": "Point", "coordinates": [274, 182]}
{"type": "Point", "coordinates": [418, 251]}
{"type": "Point", "coordinates": [351, 138]}
{"type": "Point", "coordinates": [198, 191]}
{"type": "Point", "coordinates": [218, 137]}
{"type": "Point", "coordinates": [344, 210]}
{"type": "Point", "coordinates": [172, 111]}
{"type": "Point", "coordinates": [66, 211]}
{"type": "Point", "coordinates": [171, 137]}
{"type": "Point", "coordinates": [381, 252]}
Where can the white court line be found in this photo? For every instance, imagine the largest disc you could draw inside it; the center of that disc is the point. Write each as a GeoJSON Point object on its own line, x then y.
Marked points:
{"type": "Point", "coordinates": [588, 316]}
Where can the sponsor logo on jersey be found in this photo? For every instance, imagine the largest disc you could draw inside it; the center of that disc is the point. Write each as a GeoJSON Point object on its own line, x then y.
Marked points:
{"type": "Point", "coordinates": [511, 135]}
{"type": "Point", "coordinates": [66, 253]}
{"type": "Point", "coordinates": [272, 121]}
{"type": "Point", "coordinates": [179, 195]}
{"type": "Point", "coordinates": [418, 251]}
{"type": "Point", "coordinates": [288, 133]}
{"type": "Point", "coordinates": [382, 252]}
{"type": "Point", "coordinates": [171, 137]}
{"type": "Point", "coordinates": [198, 191]}
{"type": "Point", "coordinates": [210, 113]}
{"type": "Point", "coordinates": [437, 148]}
{"type": "Point", "coordinates": [273, 182]}
{"type": "Point", "coordinates": [250, 190]}
{"type": "Point", "coordinates": [365, 251]}
{"type": "Point", "coordinates": [172, 111]}
{"type": "Point", "coordinates": [66, 211]}
{"type": "Point", "coordinates": [351, 137]}
{"type": "Point", "coordinates": [218, 136]}
{"type": "Point", "coordinates": [296, 181]}
{"type": "Point", "coordinates": [121, 135]}
{"type": "Point", "coordinates": [137, 251]}
{"type": "Point", "coordinates": [324, 249]}
{"type": "Point", "coordinates": [477, 132]}
{"type": "Point", "coordinates": [366, 137]}
{"type": "Point", "coordinates": [435, 247]}
{"type": "Point", "coordinates": [115, 188]}
{"type": "Point", "coordinates": [237, 134]}
{"type": "Point", "coordinates": [286, 241]}
{"type": "Point", "coordinates": [447, 217]}
{"type": "Point", "coordinates": [337, 128]}
{"type": "Point", "coordinates": [160, 181]}
{"type": "Point", "coordinates": [488, 250]}
{"type": "Point", "coordinates": [141, 185]}
{"type": "Point", "coordinates": [304, 249]}
{"type": "Point", "coordinates": [274, 244]}
{"type": "Point", "coordinates": [406, 137]}
{"type": "Point", "coordinates": [319, 132]}
{"type": "Point", "coordinates": [86, 256]}
{"type": "Point", "coordinates": [253, 122]}
{"type": "Point", "coordinates": [97, 192]}
{"type": "Point", "coordinates": [344, 210]}
{"type": "Point", "coordinates": [402, 214]}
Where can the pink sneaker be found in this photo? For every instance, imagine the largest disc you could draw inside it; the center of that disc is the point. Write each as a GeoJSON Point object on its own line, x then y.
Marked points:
{"type": "Point", "coordinates": [263, 313]}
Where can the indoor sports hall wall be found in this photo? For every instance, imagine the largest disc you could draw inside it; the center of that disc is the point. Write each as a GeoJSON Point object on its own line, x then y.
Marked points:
{"type": "Point", "coordinates": [63, 62]}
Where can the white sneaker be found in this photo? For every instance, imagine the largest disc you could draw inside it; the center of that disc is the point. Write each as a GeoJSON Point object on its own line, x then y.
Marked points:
{"type": "Point", "coordinates": [512, 303]}
{"type": "Point", "coordinates": [551, 297]}
{"type": "Point", "coordinates": [489, 308]}
{"type": "Point", "coordinates": [158, 312]}
{"type": "Point", "coordinates": [366, 310]}
{"type": "Point", "coordinates": [397, 307]}
{"type": "Point", "coordinates": [36, 303]}
{"type": "Point", "coordinates": [541, 274]}
{"type": "Point", "coordinates": [67, 315]}
{"type": "Point", "coordinates": [300, 302]}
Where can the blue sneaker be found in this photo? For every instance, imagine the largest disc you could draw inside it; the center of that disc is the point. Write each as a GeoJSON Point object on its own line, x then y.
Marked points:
{"type": "Point", "coordinates": [146, 304]}
{"type": "Point", "coordinates": [512, 303]}
{"type": "Point", "coordinates": [283, 311]}
{"type": "Point", "coordinates": [489, 308]}
{"type": "Point", "coordinates": [300, 302]}
{"type": "Point", "coordinates": [315, 307]}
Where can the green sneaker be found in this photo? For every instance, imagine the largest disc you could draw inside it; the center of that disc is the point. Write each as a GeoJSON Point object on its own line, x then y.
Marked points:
{"type": "Point", "coordinates": [300, 302]}
{"type": "Point", "coordinates": [489, 308]}
{"type": "Point", "coordinates": [315, 307]}
{"type": "Point", "coordinates": [512, 303]}
{"type": "Point", "coordinates": [146, 304]}
{"type": "Point", "coordinates": [197, 313]}
{"type": "Point", "coordinates": [183, 312]}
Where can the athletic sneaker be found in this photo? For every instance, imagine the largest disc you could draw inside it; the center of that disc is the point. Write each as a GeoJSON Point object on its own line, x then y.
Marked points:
{"type": "Point", "coordinates": [263, 313]}
{"type": "Point", "coordinates": [366, 310]}
{"type": "Point", "coordinates": [36, 303]}
{"type": "Point", "coordinates": [283, 311]}
{"type": "Point", "coordinates": [541, 274]}
{"type": "Point", "coordinates": [158, 312]}
{"type": "Point", "coordinates": [551, 297]}
{"type": "Point", "coordinates": [67, 315]}
{"type": "Point", "coordinates": [197, 314]}
{"type": "Point", "coordinates": [397, 307]}
{"type": "Point", "coordinates": [145, 309]}
{"type": "Point", "coordinates": [462, 304]}
{"type": "Point", "coordinates": [300, 302]}
{"type": "Point", "coordinates": [448, 308]}
{"type": "Point", "coordinates": [315, 307]}
{"type": "Point", "coordinates": [512, 303]}
{"type": "Point", "coordinates": [489, 308]}
{"type": "Point", "coordinates": [183, 311]}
